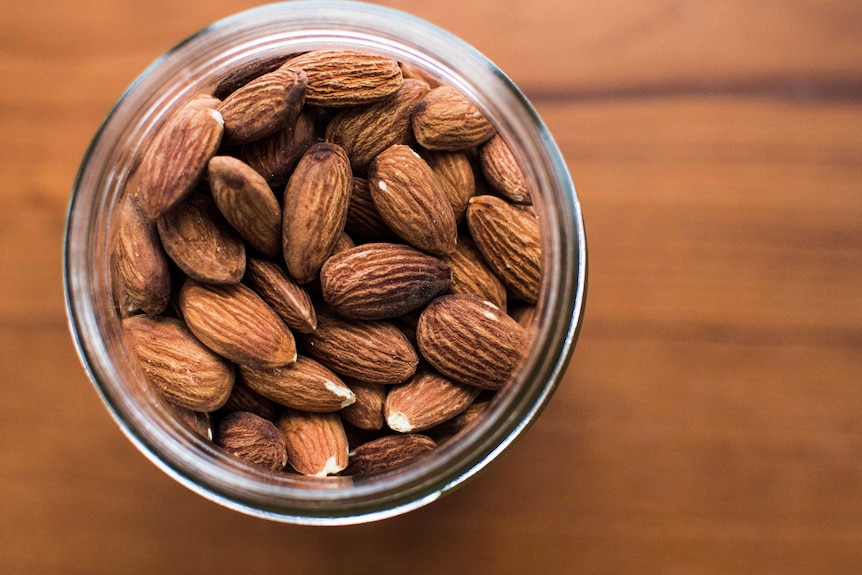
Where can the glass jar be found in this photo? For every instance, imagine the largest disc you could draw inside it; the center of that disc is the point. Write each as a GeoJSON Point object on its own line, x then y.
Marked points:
{"type": "Point", "coordinates": [198, 63]}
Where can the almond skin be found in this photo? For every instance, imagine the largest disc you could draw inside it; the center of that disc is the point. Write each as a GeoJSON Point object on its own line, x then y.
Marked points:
{"type": "Point", "coordinates": [272, 282]}
{"type": "Point", "coordinates": [243, 398]}
{"type": "Point", "coordinates": [245, 73]}
{"type": "Point", "coordinates": [409, 199]}
{"type": "Point", "coordinates": [425, 400]}
{"type": "Point", "coordinates": [454, 171]}
{"type": "Point", "coordinates": [339, 78]}
{"type": "Point", "coordinates": [274, 157]}
{"type": "Point", "coordinates": [387, 453]}
{"type": "Point", "coordinates": [471, 275]}
{"type": "Point", "coordinates": [305, 385]}
{"type": "Point", "coordinates": [236, 323]}
{"type": "Point", "coordinates": [315, 209]}
{"type": "Point", "coordinates": [447, 120]}
{"type": "Point", "coordinates": [253, 439]}
{"type": "Point", "coordinates": [510, 242]}
{"type": "Point", "coordinates": [470, 341]}
{"type": "Point", "coordinates": [246, 201]}
{"type": "Point", "coordinates": [263, 106]}
{"type": "Point", "coordinates": [316, 442]}
{"type": "Point", "coordinates": [502, 171]}
{"type": "Point", "coordinates": [382, 280]}
{"type": "Point", "coordinates": [367, 411]}
{"type": "Point", "coordinates": [182, 369]}
{"type": "Point", "coordinates": [199, 240]}
{"type": "Point", "coordinates": [177, 157]}
{"type": "Point", "coordinates": [363, 219]}
{"type": "Point", "coordinates": [140, 260]}
{"type": "Point", "coordinates": [369, 351]}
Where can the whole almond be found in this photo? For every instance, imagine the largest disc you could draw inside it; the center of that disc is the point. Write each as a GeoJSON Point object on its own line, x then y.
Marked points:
{"type": "Point", "coordinates": [367, 411]}
{"type": "Point", "coordinates": [410, 200]}
{"type": "Point", "coordinates": [454, 171]}
{"type": "Point", "coordinates": [363, 219]}
{"type": "Point", "coordinates": [316, 442]}
{"type": "Point", "coordinates": [315, 209]}
{"type": "Point", "coordinates": [263, 106]}
{"type": "Point", "coordinates": [199, 240]}
{"type": "Point", "coordinates": [425, 400]}
{"type": "Point", "coordinates": [253, 439]}
{"type": "Point", "coordinates": [173, 163]}
{"type": "Point", "coordinates": [246, 201]}
{"type": "Point", "coordinates": [382, 280]}
{"type": "Point", "coordinates": [140, 260]}
{"type": "Point", "coordinates": [388, 452]}
{"type": "Point", "coordinates": [510, 241]}
{"type": "Point", "coordinates": [274, 157]}
{"type": "Point", "coordinates": [238, 77]}
{"type": "Point", "coordinates": [470, 340]}
{"type": "Point", "coordinates": [502, 171]}
{"type": "Point", "coordinates": [447, 120]}
{"type": "Point", "coordinates": [237, 324]}
{"type": "Point", "coordinates": [184, 371]}
{"type": "Point", "coordinates": [470, 274]}
{"type": "Point", "coordinates": [449, 428]}
{"type": "Point", "coordinates": [369, 351]}
{"type": "Point", "coordinates": [339, 78]}
{"type": "Point", "coordinates": [365, 131]}
{"type": "Point", "coordinates": [272, 282]}
{"type": "Point", "coordinates": [305, 385]}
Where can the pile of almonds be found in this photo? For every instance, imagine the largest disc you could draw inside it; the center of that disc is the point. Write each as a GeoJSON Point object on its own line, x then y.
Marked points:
{"type": "Point", "coordinates": [328, 263]}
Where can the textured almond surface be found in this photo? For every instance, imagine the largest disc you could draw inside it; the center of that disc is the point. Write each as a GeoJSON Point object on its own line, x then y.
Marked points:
{"type": "Point", "coordinates": [425, 400]}
{"type": "Point", "coordinates": [274, 157]}
{"type": "Point", "coordinates": [272, 282]}
{"type": "Point", "coordinates": [305, 385]}
{"type": "Point", "coordinates": [454, 171]}
{"type": "Point", "coordinates": [236, 323]}
{"type": "Point", "coordinates": [367, 411]}
{"type": "Point", "coordinates": [471, 275]}
{"type": "Point", "coordinates": [447, 120]}
{"type": "Point", "coordinates": [338, 78]}
{"type": "Point", "coordinates": [316, 442]}
{"type": "Point", "coordinates": [470, 340]}
{"type": "Point", "coordinates": [253, 439]}
{"type": "Point", "coordinates": [363, 220]}
{"type": "Point", "coordinates": [502, 171]}
{"type": "Point", "coordinates": [388, 452]}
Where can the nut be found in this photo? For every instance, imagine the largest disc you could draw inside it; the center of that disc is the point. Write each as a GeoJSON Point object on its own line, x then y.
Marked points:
{"type": "Point", "coordinates": [252, 438]}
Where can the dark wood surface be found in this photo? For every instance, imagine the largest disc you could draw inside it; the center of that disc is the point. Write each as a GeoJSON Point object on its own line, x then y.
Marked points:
{"type": "Point", "coordinates": [710, 419]}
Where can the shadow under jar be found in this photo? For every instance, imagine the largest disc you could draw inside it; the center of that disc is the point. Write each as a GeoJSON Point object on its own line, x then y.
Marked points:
{"type": "Point", "coordinates": [195, 67]}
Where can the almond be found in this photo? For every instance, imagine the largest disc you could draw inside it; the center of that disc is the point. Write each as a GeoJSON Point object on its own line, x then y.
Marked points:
{"type": "Point", "coordinates": [365, 131]}
{"type": "Point", "coordinates": [470, 340]}
{"type": "Point", "coordinates": [272, 283]}
{"type": "Point", "coordinates": [305, 385]}
{"type": "Point", "coordinates": [316, 442]}
{"type": "Point", "coordinates": [237, 324]}
{"type": "Point", "coordinates": [176, 158]}
{"type": "Point", "coordinates": [245, 73]}
{"type": "Point", "coordinates": [344, 243]}
{"type": "Point", "coordinates": [510, 241]}
{"type": "Point", "coordinates": [339, 78]}
{"type": "Point", "coordinates": [140, 260]}
{"type": "Point", "coordinates": [470, 274]}
{"type": "Point", "coordinates": [447, 120]}
{"type": "Point", "coordinates": [274, 157]}
{"type": "Point", "coordinates": [449, 428]}
{"type": "Point", "coordinates": [196, 421]}
{"type": "Point", "coordinates": [315, 209]}
{"type": "Point", "coordinates": [253, 439]}
{"type": "Point", "coordinates": [363, 219]}
{"type": "Point", "coordinates": [199, 240]}
{"type": "Point", "coordinates": [243, 398]}
{"type": "Point", "coordinates": [369, 351]}
{"type": "Point", "coordinates": [425, 400]}
{"type": "Point", "coordinates": [502, 171]}
{"type": "Point", "coordinates": [246, 201]}
{"type": "Point", "coordinates": [367, 411]}
{"type": "Point", "coordinates": [184, 371]}
{"type": "Point", "coordinates": [263, 106]}
{"type": "Point", "coordinates": [454, 171]}
{"type": "Point", "coordinates": [410, 200]}
{"type": "Point", "coordinates": [387, 453]}
{"type": "Point", "coordinates": [382, 280]}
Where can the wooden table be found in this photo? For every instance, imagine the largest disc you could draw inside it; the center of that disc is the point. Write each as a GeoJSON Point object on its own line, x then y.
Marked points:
{"type": "Point", "coordinates": [710, 420]}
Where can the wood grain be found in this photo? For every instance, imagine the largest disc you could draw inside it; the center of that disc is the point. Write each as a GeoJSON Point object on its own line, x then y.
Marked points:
{"type": "Point", "coordinates": [709, 422]}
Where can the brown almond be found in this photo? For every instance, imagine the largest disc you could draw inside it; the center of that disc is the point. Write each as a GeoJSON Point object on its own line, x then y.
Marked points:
{"type": "Point", "coordinates": [471, 275]}
{"type": "Point", "coordinates": [367, 411]}
{"type": "Point", "coordinates": [388, 452]}
{"type": "Point", "coordinates": [272, 282]}
{"type": "Point", "coordinates": [509, 240]}
{"type": "Point", "coordinates": [253, 439]}
{"type": "Point", "coordinates": [241, 75]}
{"type": "Point", "coordinates": [425, 400]}
{"type": "Point", "coordinates": [414, 72]}
{"type": "Point", "coordinates": [315, 209]}
{"type": "Point", "coordinates": [382, 280]}
{"type": "Point", "coordinates": [344, 243]}
{"type": "Point", "coordinates": [246, 201]}
{"type": "Point", "coordinates": [365, 131]}
{"type": "Point", "coordinates": [198, 239]}
{"type": "Point", "coordinates": [409, 199]}
{"type": "Point", "coordinates": [339, 78]}
{"type": "Point", "coordinates": [306, 385]}
{"type": "Point", "coordinates": [237, 324]}
{"type": "Point", "coordinates": [198, 422]}
{"type": "Point", "coordinates": [454, 171]}
{"type": "Point", "coordinates": [243, 398]}
{"type": "Point", "coordinates": [470, 340]}
{"type": "Point", "coordinates": [502, 171]}
{"type": "Point", "coordinates": [183, 370]}
{"type": "Point", "coordinates": [363, 219]}
{"type": "Point", "coordinates": [449, 428]}
{"type": "Point", "coordinates": [140, 260]}
{"type": "Point", "coordinates": [274, 157]}
{"type": "Point", "coordinates": [370, 351]}
{"type": "Point", "coordinates": [177, 157]}
{"type": "Point", "coordinates": [447, 120]}
{"type": "Point", "coordinates": [263, 106]}
{"type": "Point", "coordinates": [316, 442]}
